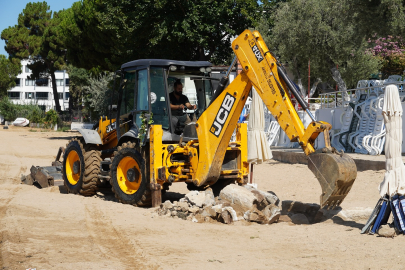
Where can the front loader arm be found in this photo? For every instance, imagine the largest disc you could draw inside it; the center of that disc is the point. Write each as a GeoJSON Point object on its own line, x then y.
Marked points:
{"type": "Point", "coordinates": [336, 173]}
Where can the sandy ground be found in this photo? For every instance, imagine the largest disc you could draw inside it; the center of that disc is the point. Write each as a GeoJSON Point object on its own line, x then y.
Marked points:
{"type": "Point", "coordinates": [48, 229]}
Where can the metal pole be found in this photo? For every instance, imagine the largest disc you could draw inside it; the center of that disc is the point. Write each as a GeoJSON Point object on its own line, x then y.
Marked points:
{"type": "Point", "coordinates": [309, 78]}
{"type": "Point", "coordinates": [63, 98]}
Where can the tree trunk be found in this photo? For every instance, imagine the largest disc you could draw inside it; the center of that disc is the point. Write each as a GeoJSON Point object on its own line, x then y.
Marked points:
{"type": "Point", "coordinates": [55, 92]}
{"type": "Point", "coordinates": [338, 79]}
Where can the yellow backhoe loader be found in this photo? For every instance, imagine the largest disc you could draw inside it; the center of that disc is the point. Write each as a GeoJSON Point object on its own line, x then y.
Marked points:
{"type": "Point", "coordinates": [141, 155]}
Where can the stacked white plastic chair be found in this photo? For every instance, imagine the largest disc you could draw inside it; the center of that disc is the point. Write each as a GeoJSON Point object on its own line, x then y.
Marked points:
{"type": "Point", "coordinates": [362, 129]}
{"type": "Point", "coordinates": [374, 142]}
{"type": "Point", "coordinates": [345, 120]}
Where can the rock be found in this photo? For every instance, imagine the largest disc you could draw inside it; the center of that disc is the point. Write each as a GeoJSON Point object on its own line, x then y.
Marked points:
{"type": "Point", "coordinates": [182, 215]}
{"type": "Point", "coordinates": [209, 198]}
{"type": "Point", "coordinates": [284, 218]}
{"type": "Point", "coordinates": [194, 220]}
{"type": "Point", "coordinates": [246, 215]}
{"type": "Point", "coordinates": [299, 219]}
{"type": "Point", "coordinates": [217, 208]}
{"type": "Point", "coordinates": [310, 210]}
{"type": "Point", "coordinates": [194, 209]}
{"type": "Point", "coordinates": [196, 198]}
{"type": "Point", "coordinates": [183, 206]}
{"type": "Point", "coordinates": [174, 213]}
{"type": "Point", "coordinates": [238, 195]}
{"type": "Point", "coordinates": [271, 197]}
{"type": "Point", "coordinates": [257, 216]}
{"type": "Point", "coordinates": [190, 217]}
{"type": "Point", "coordinates": [166, 205]}
{"type": "Point", "coordinates": [261, 202]}
{"type": "Point", "coordinates": [272, 212]}
{"type": "Point", "coordinates": [199, 218]}
{"type": "Point", "coordinates": [386, 231]}
{"type": "Point", "coordinates": [231, 212]}
{"type": "Point", "coordinates": [208, 211]}
{"type": "Point", "coordinates": [27, 179]}
{"type": "Point", "coordinates": [226, 217]}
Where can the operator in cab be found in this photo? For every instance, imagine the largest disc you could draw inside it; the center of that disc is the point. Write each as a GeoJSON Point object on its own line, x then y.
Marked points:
{"type": "Point", "coordinates": [178, 102]}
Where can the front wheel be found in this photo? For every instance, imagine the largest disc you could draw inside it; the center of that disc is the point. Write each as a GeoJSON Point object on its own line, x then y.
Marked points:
{"type": "Point", "coordinates": [129, 181]}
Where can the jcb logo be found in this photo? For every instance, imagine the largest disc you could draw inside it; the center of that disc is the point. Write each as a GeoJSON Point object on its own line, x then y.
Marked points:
{"type": "Point", "coordinates": [222, 115]}
{"type": "Point", "coordinates": [256, 50]}
{"type": "Point", "coordinates": [110, 127]}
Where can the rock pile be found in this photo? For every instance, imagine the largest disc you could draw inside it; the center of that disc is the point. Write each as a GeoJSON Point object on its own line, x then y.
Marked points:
{"type": "Point", "coordinates": [234, 203]}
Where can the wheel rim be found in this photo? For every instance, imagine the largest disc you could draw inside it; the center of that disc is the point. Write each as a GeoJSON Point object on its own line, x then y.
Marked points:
{"type": "Point", "coordinates": [72, 177]}
{"type": "Point", "coordinates": [128, 163]}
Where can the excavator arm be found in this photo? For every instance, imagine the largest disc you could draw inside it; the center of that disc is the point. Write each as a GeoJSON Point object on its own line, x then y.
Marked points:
{"type": "Point", "coordinates": [335, 172]}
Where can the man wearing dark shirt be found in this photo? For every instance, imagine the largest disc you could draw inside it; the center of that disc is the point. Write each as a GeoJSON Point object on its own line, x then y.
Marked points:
{"type": "Point", "coordinates": [178, 102]}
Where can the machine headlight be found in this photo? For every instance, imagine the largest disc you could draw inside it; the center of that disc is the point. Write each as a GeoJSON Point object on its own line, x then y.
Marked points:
{"type": "Point", "coordinates": [173, 68]}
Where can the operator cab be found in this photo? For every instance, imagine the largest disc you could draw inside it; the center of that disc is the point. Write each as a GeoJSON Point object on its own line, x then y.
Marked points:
{"type": "Point", "coordinates": [145, 88]}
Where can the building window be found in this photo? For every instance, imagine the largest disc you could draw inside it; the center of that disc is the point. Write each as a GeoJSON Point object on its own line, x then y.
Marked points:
{"type": "Point", "coordinates": [60, 95]}
{"type": "Point", "coordinates": [67, 95]}
{"type": "Point", "coordinates": [27, 70]}
{"type": "Point", "coordinates": [67, 81]}
{"type": "Point", "coordinates": [29, 82]}
{"type": "Point", "coordinates": [29, 95]}
{"type": "Point", "coordinates": [42, 95]}
{"type": "Point", "coordinates": [42, 82]}
{"type": "Point", "coordinates": [59, 82]}
{"type": "Point", "coordinates": [17, 82]}
{"type": "Point", "coordinates": [14, 95]}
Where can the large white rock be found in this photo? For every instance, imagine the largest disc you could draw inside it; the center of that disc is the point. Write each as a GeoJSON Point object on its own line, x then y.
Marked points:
{"type": "Point", "coordinates": [238, 195]}
{"type": "Point", "coordinates": [196, 198]}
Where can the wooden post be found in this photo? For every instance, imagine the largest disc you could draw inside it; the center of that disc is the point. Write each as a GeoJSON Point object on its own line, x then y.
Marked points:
{"type": "Point", "coordinates": [251, 173]}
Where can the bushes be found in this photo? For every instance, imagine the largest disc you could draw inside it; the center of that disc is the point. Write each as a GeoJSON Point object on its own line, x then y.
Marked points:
{"type": "Point", "coordinates": [32, 112]}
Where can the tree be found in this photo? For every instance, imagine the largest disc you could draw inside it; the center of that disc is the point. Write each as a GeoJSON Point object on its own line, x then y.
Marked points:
{"type": "Point", "coordinates": [109, 33]}
{"type": "Point", "coordinates": [8, 74]}
{"type": "Point", "coordinates": [329, 33]}
{"type": "Point", "coordinates": [78, 79]}
{"type": "Point", "coordinates": [98, 93]}
{"type": "Point", "coordinates": [37, 37]}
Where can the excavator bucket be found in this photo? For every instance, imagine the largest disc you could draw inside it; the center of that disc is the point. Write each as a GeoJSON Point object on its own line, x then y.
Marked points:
{"type": "Point", "coordinates": [336, 174]}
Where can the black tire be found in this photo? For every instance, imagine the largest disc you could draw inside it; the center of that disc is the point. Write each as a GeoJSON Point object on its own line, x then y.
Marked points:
{"type": "Point", "coordinates": [86, 180]}
{"type": "Point", "coordinates": [137, 192]}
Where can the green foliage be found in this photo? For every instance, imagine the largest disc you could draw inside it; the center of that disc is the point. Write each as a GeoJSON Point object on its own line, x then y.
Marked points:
{"type": "Point", "coordinates": [329, 33]}
{"type": "Point", "coordinates": [8, 74]}
{"type": "Point", "coordinates": [11, 111]}
{"type": "Point", "coordinates": [97, 93]}
{"type": "Point", "coordinates": [108, 33]}
{"type": "Point", "coordinates": [79, 78]}
{"type": "Point", "coordinates": [51, 117]}
{"type": "Point", "coordinates": [37, 37]}
{"type": "Point", "coordinates": [146, 120]}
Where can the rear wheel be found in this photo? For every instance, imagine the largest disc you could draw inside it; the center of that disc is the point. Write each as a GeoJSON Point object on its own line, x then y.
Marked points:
{"type": "Point", "coordinates": [80, 168]}
{"type": "Point", "coordinates": [129, 179]}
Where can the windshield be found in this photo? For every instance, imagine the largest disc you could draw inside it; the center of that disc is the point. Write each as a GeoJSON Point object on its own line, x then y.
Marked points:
{"type": "Point", "coordinates": [198, 89]}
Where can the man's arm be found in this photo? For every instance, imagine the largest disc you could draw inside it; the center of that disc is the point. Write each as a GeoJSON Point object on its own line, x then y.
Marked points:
{"type": "Point", "coordinates": [191, 107]}
{"type": "Point", "coordinates": [176, 107]}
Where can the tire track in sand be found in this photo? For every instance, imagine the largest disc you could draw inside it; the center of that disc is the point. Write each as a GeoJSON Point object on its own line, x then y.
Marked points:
{"type": "Point", "coordinates": [113, 244]}
{"type": "Point", "coordinates": [4, 203]}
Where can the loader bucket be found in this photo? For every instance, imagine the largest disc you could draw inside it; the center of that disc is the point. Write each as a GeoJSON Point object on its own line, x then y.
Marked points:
{"type": "Point", "coordinates": [336, 174]}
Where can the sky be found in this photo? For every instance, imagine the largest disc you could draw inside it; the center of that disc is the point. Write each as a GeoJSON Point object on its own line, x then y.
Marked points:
{"type": "Point", "coordinates": [10, 9]}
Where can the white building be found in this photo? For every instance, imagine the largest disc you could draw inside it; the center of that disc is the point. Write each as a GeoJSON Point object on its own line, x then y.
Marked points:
{"type": "Point", "coordinates": [40, 91]}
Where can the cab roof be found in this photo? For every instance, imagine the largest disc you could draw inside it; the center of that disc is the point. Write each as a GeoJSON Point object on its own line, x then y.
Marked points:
{"type": "Point", "coordinates": [165, 63]}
